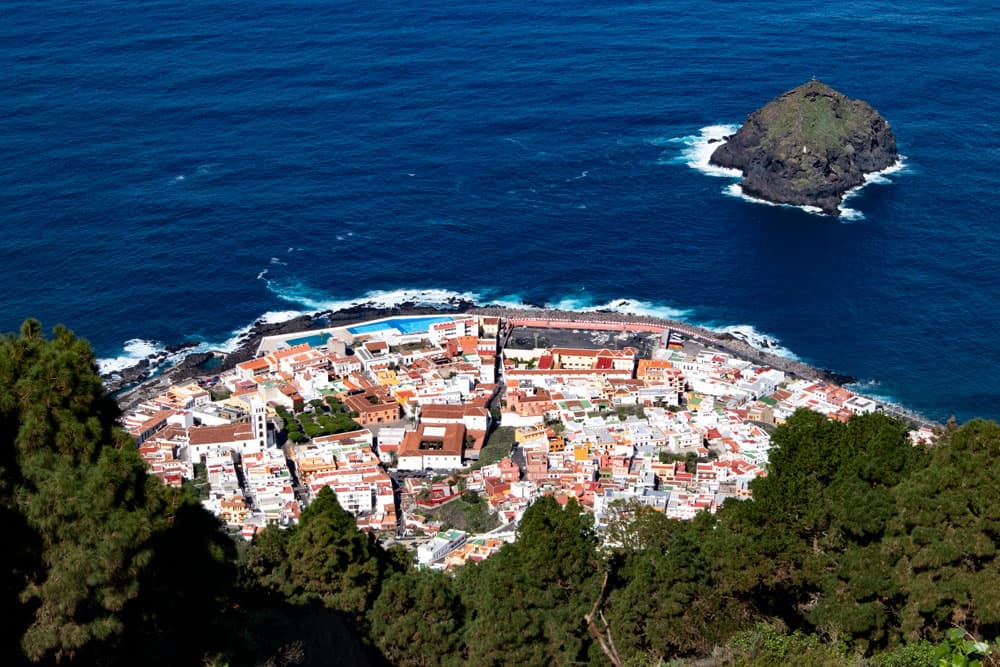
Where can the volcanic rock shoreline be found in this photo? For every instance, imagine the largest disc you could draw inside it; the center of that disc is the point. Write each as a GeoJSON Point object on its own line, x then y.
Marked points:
{"type": "Point", "coordinates": [155, 373]}
{"type": "Point", "coordinates": [808, 147]}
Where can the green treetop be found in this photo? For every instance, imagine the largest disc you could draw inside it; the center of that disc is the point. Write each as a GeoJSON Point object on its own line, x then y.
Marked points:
{"type": "Point", "coordinates": [86, 575]}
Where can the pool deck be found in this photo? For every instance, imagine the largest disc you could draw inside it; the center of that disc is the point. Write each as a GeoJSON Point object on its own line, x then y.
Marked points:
{"type": "Point", "coordinates": [273, 343]}
{"type": "Point", "coordinates": [422, 324]}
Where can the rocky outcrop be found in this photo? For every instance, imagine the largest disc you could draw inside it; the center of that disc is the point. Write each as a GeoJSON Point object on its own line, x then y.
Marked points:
{"type": "Point", "coordinates": [808, 147]}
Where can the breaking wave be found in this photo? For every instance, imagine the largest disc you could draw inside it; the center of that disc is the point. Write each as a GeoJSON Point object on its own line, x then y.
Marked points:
{"type": "Point", "coordinates": [315, 302]}
{"type": "Point", "coordinates": [873, 390]}
{"type": "Point", "coordinates": [624, 306]}
{"type": "Point", "coordinates": [734, 190]}
{"type": "Point", "coordinates": [877, 178]}
{"type": "Point", "coordinates": [756, 339]}
{"type": "Point", "coordinates": [134, 351]}
{"type": "Point", "coordinates": [696, 150]}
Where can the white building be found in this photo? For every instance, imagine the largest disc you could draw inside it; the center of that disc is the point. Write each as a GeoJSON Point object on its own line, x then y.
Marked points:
{"type": "Point", "coordinates": [440, 546]}
{"type": "Point", "coordinates": [438, 447]}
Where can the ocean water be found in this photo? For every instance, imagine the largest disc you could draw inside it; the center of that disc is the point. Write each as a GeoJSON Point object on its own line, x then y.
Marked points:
{"type": "Point", "coordinates": [172, 171]}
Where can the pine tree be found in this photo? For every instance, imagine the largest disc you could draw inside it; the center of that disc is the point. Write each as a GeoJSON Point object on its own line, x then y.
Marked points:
{"type": "Point", "coordinates": [417, 620]}
{"type": "Point", "coordinates": [325, 559]}
{"type": "Point", "coordinates": [944, 540]}
{"type": "Point", "coordinates": [330, 560]}
{"type": "Point", "coordinates": [93, 523]}
{"type": "Point", "coordinates": [528, 601]}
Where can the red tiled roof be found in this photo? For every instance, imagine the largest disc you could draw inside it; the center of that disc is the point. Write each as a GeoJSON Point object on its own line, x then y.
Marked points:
{"type": "Point", "coordinates": [210, 435]}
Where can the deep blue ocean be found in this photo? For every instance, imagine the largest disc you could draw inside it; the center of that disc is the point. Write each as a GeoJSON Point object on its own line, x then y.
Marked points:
{"type": "Point", "coordinates": [175, 170]}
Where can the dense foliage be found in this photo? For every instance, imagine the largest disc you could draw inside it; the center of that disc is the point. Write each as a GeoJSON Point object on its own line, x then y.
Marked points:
{"type": "Point", "coordinates": [324, 560]}
{"type": "Point", "coordinates": [327, 417]}
{"type": "Point", "coordinates": [857, 549]}
{"type": "Point", "coordinates": [101, 559]}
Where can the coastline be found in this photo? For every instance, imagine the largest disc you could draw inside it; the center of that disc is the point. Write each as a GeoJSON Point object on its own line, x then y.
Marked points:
{"type": "Point", "coordinates": [143, 380]}
{"type": "Point", "coordinates": [155, 373]}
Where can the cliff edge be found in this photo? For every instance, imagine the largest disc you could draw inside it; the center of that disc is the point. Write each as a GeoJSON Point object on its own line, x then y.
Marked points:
{"type": "Point", "coordinates": [808, 147]}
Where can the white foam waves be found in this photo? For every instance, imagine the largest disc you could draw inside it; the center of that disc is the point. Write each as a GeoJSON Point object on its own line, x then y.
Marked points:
{"type": "Point", "coordinates": [444, 298]}
{"type": "Point", "coordinates": [512, 301]}
{"type": "Point", "coordinates": [623, 306]}
{"type": "Point", "coordinates": [279, 316]}
{"type": "Point", "coordinates": [134, 351]}
{"type": "Point", "coordinates": [873, 390]}
{"type": "Point", "coordinates": [758, 340]}
{"type": "Point", "coordinates": [875, 177]}
{"type": "Point", "coordinates": [317, 303]}
{"type": "Point", "coordinates": [735, 190]}
{"type": "Point", "coordinates": [696, 150]}
{"type": "Point", "coordinates": [239, 336]}
{"type": "Point", "coordinates": [308, 301]}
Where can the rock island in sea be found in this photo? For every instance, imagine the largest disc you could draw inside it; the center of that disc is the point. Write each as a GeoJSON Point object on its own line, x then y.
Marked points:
{"type": "Point", "coordinates": [808, 147]}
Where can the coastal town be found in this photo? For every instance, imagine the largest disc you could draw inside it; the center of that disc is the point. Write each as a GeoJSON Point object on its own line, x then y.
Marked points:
{"type": "Point", "coordinates": [438, 431]}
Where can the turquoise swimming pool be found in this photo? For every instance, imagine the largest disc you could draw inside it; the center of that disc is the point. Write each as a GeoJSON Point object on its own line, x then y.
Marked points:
{"type": "Point", "coordinates": [315, 340]}
{"type": "Point", "coordinates": [408, 325]}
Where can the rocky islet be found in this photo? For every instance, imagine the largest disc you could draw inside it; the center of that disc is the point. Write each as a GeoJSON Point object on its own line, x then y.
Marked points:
{"type": "Point", "coordinates": [808, 147]}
